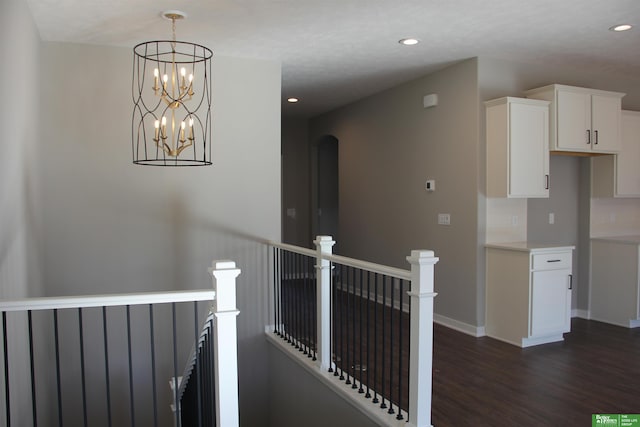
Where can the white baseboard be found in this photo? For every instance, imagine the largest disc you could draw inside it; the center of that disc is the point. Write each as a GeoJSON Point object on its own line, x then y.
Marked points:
{"type": "Point", "coordinates": [582, 314]}
{"type": "Point", "coordinates": [475, 331]}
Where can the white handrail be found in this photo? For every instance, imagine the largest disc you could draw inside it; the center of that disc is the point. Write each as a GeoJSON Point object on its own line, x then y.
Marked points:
{"type": "Point", "coordinates": [370, 266]}
{"type": "Point", "coordinates": [107, 300]}
{"type": "Point", "coordinates": [351, 262]}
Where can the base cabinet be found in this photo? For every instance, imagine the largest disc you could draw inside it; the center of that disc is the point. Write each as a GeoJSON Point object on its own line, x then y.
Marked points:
{"type": "Point", "coordinates": [615, 281]}
{"type": "Point", "coordinates": [528, 293]}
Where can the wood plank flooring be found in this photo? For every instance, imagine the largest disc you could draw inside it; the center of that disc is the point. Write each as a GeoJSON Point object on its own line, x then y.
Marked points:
{"type": "Point", "coordinates": [484, 382]}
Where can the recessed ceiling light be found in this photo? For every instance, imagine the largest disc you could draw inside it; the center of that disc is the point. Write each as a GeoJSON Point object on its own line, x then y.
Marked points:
{"type": "Point", "coordinates": [622, 27]}
{"type": "Point", "coordinates": [292, 100]}
{"type": "Point", "coordinates": [409, 41]}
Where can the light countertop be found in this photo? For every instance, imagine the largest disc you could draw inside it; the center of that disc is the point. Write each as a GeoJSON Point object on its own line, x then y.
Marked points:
{"type": "Point", "coordinates": [631, 240]}
{"type": "Point", "coordinates": [529, 246]}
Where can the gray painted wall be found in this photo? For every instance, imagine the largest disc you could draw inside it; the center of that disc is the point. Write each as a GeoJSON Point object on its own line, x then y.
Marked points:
{"type": "Point", "coordinates": [296, 182]}
{"type": "Point", "coordinates": [388, 146]}
{"type": "Point", "coordinates": [20, 205]}
{"type": "Point", "coordinates": [298, 398]}
{"type": "Point", "coordinates": [110, 226]}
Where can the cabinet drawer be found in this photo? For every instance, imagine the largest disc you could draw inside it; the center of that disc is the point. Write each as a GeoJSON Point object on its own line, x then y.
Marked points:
{"type": "Point", "coordinates": [552, 261]}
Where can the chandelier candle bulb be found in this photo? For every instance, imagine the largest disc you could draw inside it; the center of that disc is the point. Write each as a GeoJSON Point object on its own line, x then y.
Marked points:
{"type": "Point", "coordinates": [164, 127]}
{"type": "Point", "coordinates": [191, 129]}
{"type": "Point", "coordinates": [183, 77]}
{"type": "Point", "coordinates": [156, 77]}
{"type": "Point", "coordinates": [157, 130]}
{"type": "Point", "coordinates": [182, 132]}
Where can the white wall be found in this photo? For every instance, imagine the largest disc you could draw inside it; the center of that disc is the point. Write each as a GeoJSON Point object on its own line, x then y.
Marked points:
{"type": "Point", "coordinates": [20, 208]}
{"type": "Point", "coordinates": [20, 213]}
{"type": "Point", "coordinates": [111, 226]}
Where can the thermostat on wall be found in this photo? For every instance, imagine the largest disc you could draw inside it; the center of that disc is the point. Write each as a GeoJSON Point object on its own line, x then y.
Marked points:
{"type": "Point", "coordinates": [430, 100]}
{"type": "Point", "coordinates": [430, 185]}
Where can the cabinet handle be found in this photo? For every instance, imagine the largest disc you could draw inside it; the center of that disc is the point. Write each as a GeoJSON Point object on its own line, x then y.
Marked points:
{"type": "Point", "coordinates": [596, 132]}
{"type": "Point", "coordinates": [554, 260]}
{"type": "Point", "coordinates": [570, 281]}
{"type": "Point", "coordinates": [546, 185]}
{"type": "Point", "coordinates": [588, 136]}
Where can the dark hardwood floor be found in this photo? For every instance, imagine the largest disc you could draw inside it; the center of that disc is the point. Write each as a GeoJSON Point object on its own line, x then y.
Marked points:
{"type": "Point", "coordinates": [485, 382]}
{"type": "Point", "coordinates": [481, 381]}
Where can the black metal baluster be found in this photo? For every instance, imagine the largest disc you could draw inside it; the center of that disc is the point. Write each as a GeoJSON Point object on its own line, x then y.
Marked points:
{"type": "Point", "coordinates": [278, 280]}
{"type": "Point", "coordinates": [131, 398]}
{"type": "Point", "coordinates": [298, 312]}
{"type": "Point", "coordinates": [353, 327]}
{"type": "Point", "coordinates": [57, 350]}
{"type": "Point", "coordinates": [7, 395]}
{"type": "Point", "coordinates": [368, 351]}
{"type": "Point", "coordinates": [197, 349]}
{"type": "Point", "coordinates": [34, 413]}
{"type": "Point", "coordinates": [384, 336]}
{"type": "Point", "coordinates": [106, 363]}
{"type": "Point", "coordinates": [175, 366]}
{"type": "Point", "coordinates": [342, 319]}
{"type": "Point", "coordinates": [153, 366]}
{"type": "Point", "coordinates": [391, 310]}
{"type": "Point", "coordinates": [275, 291]}
{"type": "Point", "coordinates": [347, 363]}
{"type": "Point", "coordinates": [212, 376]}
{"type": "Point", "coordinates": [307, 305]}
{"type": "Point", "coordinates": [82, 373]}
{"type": "Point", "coordinates": [399, 416]}
{"type": "Point", "coordinates": [335, 320]}
{"type": "Point", "coordinates": [287, 287]}
{"type": "Point", "coordinates": [312, 297]}
{"type": "Point", "coordinates": [375, 339]}
{"type": "Point", "coordinates": [360, 322]}
{"type": "Point", "coordinates": [332, 340]}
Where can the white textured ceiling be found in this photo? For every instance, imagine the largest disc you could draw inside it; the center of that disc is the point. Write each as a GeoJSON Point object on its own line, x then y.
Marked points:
{"type": "Point", "coordinates": [337, 51]}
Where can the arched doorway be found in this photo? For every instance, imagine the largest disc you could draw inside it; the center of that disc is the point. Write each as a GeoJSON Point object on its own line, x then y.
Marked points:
{"type": "Point", "coordinates": [326, 197]}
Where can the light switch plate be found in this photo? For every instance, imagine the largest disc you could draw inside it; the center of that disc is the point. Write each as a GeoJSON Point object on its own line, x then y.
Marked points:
{"type": "Point", "coordinates": [444, 219]}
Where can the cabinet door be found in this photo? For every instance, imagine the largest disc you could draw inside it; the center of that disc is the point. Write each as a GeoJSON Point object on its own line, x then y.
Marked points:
{"type": "Point", "coordinates": [550, 302]}
{"type": "Point", "coordinates": [529, 151]}
{"type": "Point", "coordinates": [628, 159]}
{"type": "Point", "coordinates": [573, 121]}
{"type": "Point", "coordinates": [605, 123]}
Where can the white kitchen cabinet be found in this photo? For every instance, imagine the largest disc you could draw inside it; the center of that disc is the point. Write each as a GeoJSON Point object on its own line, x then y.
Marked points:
{"type": "Point", "coordinates": [528, 298]}
{"type": "Point", "coordinates": [582, 120]}
{"type": "Point", "coordinates": [615, 280]}
{"type": "Point", "coordinates": [619, 175]}
{"type": "Point", "coordinates": [517, 147]}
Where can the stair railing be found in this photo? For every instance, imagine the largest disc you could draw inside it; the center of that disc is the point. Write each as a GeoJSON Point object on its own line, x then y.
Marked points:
{"type": "Point", "coordinates": [370, 325]}
{"type": "Point", "coordinates": [75, 360]}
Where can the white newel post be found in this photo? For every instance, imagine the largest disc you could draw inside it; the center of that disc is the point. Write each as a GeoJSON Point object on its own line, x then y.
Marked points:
{"type": "Point", "coordinates": [224, 275]}
{"type": "Point", "coordinates": [421, 351]}
{"type": "Point", "coordinates": [324, 246]}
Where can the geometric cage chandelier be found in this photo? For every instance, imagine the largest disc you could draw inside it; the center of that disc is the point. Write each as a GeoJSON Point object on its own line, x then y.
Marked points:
{"type": "Point", "coordinates": [171, 88]}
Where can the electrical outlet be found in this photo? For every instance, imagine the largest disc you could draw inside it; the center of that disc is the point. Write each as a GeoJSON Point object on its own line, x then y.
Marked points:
{"type": "Point", "coordinates": [514, 221]}
{"type": "Point", "coordinates": [552, 218]}
{"type": "Point", "coordinates": [444, 219]}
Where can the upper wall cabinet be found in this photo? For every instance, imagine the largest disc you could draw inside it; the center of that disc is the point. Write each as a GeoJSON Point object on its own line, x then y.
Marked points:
{"type": "Point", "coordinates": [517, 148]}
{"type": "Point", "coordinates": [582, 120]}
{"type": "Point", "coordinates": [619, 175]}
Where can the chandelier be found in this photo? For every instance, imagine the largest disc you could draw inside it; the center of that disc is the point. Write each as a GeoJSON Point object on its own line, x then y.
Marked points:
{"type": "Point", "coordinates": [171, 124]}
